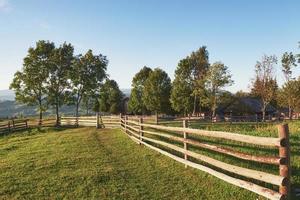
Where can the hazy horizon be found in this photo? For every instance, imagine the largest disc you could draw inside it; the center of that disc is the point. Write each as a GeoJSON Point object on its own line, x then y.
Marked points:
{"type": "Point", "coordinates": [152, 33]}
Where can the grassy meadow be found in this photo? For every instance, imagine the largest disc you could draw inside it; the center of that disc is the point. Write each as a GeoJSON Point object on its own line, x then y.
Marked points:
{"type": "Point", "coordinates": [86, 163]}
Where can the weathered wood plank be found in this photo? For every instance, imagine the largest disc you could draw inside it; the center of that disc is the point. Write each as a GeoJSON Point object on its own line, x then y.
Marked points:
{"type": "Point", "coordinates": [258, 175]}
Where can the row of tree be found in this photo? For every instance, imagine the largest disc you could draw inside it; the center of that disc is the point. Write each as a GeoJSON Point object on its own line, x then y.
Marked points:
{"type": "Point", "coordinates": [199, 86]}
{"type": "Point", "coordinates": [53, 76]}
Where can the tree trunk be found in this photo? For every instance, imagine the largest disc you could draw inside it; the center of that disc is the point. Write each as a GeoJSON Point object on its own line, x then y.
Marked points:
{"type": "Point", "coordinates": [290, 112]}
{"type": "Point", "coordinates": [56, 111]}
{"type": "Point", "coordinates": [264, 113]}
{"type": "Point", "coordinates": [40, 113]}
{"type": "Point", "coordinates": [77, 109]}
{"type": "Point", "coordinates": [195, 102]}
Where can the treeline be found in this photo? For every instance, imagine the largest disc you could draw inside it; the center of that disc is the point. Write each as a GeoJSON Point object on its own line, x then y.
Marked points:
{"type": "Point", "coordinates": [199, 86]}
{"type": "Point", "coordinates": [53, 76]}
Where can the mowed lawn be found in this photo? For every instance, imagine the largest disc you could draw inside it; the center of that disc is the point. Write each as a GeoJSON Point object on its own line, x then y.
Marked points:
{"type": "Point", "coordinates": [86, 163]}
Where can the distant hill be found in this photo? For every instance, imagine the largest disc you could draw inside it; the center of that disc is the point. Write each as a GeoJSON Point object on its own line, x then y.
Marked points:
{"type": "Point", "coordinates": [126, 91]}
{"type": "Point", "coordinates": [10, 95]}
{"type": "Point", "coordinates": [7, 95]}
{"type": "Point", "coordinates": [10, 108]}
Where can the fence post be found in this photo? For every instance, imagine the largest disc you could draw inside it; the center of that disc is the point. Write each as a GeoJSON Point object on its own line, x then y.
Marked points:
{"type": "Point", "coordinates": [77, 122]}
{"type": "Point", "coordinates": [185, 137]}
{"type": "Point", "coordinates": [126, 118]}
{"type": "Point", "coordinates": [121, 120]}
{"type": "Point", "coordinates": [156, 118]}
{"type": "Point", "coordinates": [284, 152]}
{"type": "Point", "coordinates": [26, 123]}
{"type": "Point", "coordinates": [97, 120]}
{"type": "Point", "coordinates": [8, 125]}
{"type": "Point", "coordinates": [13, 123]}
{"type": "Point", "coordinates": [141, 130]}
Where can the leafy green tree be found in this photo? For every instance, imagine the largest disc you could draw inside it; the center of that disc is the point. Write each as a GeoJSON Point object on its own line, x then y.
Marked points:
{"type": "Point", "coordinates": [289, 95]}
{"type": "Point", "coordinates": [182, 88]}
{"type": "Point", "coordinates": [58, 82]}
{"type": "Point", "coordinates": [87, 74]}
{"type": "Point", "coordinates": [199, 61]}
{"type": "Point", "coordinates": [29, 83]}
{"type": "Point", "coordinates": [288, 61]}
{"type": "Point", "coordinates": [156, 92]}
{"type": "Point", "coordinates": [218, 77]}
{"type": "Point", "coordinates": [110, 97]}
{"type": "Point", "coordinates": [136, 104]}
{"type": "Point", "coordinates": [265, 85]}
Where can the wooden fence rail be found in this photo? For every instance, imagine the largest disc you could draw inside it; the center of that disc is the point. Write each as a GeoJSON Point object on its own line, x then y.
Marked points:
{"type": "Point", "coordinates": [13, 125]}
{"type": "Point", "coordinates": [141, 132]}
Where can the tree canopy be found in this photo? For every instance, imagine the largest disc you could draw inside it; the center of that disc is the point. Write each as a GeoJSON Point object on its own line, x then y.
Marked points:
{"type": "Point", "coordinates": [265, 84]}
{"type": "Point", "coordinates": [110, 97]}
{"type": "Point", "coordinates": [87, 74]}
{"type": "Point", "coordinates": [29, 83]}
{"type": "Point", "coordinates": [136, 104]}
{"type": "Point", "coordinates": [156, 92]}
{"type": "Point", "coordinates": [182, 88]}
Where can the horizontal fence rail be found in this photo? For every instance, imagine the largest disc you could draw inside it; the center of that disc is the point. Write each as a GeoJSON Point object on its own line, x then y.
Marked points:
{"type": "Point", "coordinates": [143, 133]}
{"type": "Point", "coordinates": [13, 125]}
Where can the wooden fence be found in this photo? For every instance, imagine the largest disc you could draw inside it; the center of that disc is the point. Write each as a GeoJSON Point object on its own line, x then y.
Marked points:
{"type": "Point", "coordinates": [143, 133]}
{"type": "Point", "coordinates": [94, 121]}
{"type": "Point", "coordinates": [13, 125]}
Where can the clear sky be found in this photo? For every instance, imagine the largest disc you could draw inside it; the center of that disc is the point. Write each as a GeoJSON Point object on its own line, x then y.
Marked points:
{"type": "Point", "coordinates": [155, 33]}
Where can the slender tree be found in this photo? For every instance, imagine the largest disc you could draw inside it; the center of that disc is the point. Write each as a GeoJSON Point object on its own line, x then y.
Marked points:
{"type": "Point", "coordinates": [136, 104]}
{"type": "Point", "coordinates": [289, 95]}
{"type": "Point", "coordinates": [288, 61]}
{"type": "Point", "coordinates": [29, 83]}
{"type": "Point", "coordinates": [156, 92]}
{"type": "Point", "coordinates": [265, 85]}
{"type": "Point", "coordinates": [182, 88]}
{"type": "Point", "coordinates": [199, 61]}
{"type": "Point", "coordinates": [58, 82]}
{"type": "Point", "coordinates": [87, 74]}
{"type": "Point", "coordinates": [218, 77]}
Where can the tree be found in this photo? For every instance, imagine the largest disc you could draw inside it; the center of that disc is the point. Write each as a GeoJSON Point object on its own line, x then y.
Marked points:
{"type": "Point", "coordinates": [218, 77]}
{"type": "Point", "coordinates": [87, 74]}
{"type": "Point", "coordinates": [89, 99]}
{"type": "Point", "coordinates": [265, 85]}
{"type": "Point", "coordinates": [29, 84]}
{"type": "Point", "coordinates": [156, 92]}
{"type": "Point", "coordinates": [110, 97]}
{"type": "Point", "coordinates": [58, 82]}
{"type": "Point", "coordinates": [288, 60]}
{"type": "Point", "coordinates": [290, 89]}
{"type": "Point", "coordinates": [136, 104]}
{"type": "Point", "coordinates": [199, 61]}
{"type": "Point", "coordinates": [182, 88]}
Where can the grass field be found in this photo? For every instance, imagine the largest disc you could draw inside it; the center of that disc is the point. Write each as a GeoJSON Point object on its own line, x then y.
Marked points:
{"type": "Point", "coordinates": [86, 163]}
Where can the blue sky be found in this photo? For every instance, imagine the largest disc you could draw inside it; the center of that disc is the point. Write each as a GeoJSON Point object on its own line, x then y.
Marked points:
{"type": "Point", "coordinates": [154, 33]}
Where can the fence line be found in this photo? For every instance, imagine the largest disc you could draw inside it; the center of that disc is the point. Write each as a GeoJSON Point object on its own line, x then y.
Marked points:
{"type": "Point", "coordinates": [136, 130]}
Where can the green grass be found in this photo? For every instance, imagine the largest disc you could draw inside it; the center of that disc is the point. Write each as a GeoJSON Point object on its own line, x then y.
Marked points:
{"type": "Point", "coordinates": [86, 163]}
